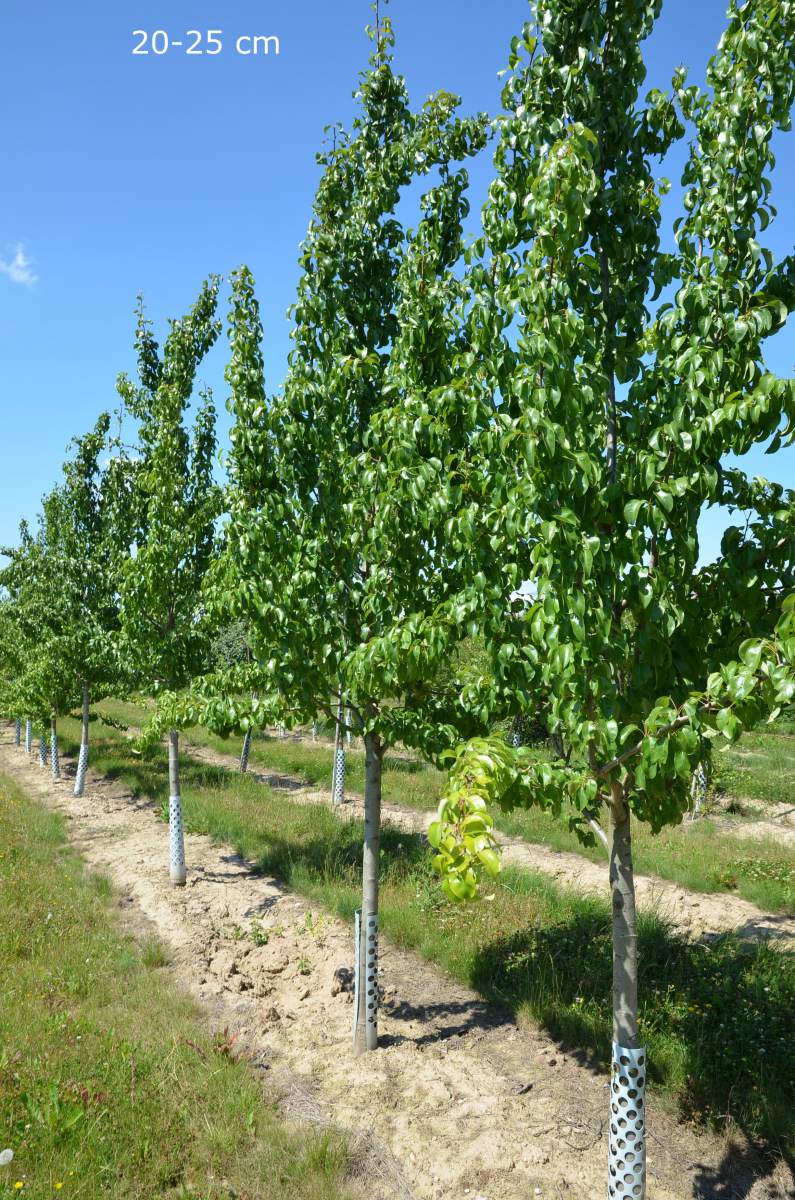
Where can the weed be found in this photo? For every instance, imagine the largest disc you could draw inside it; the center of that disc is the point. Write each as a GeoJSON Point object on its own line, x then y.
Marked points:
{"type": "Point", "coordinates": [315, 927]}
{"type": "Point", "coordinates": [260, 936]}
{"type": "Point", "coordinates": [153, 953]}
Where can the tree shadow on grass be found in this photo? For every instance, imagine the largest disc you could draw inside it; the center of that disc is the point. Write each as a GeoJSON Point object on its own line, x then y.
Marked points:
{"type": "Point", "coordinates": [716, 1018]}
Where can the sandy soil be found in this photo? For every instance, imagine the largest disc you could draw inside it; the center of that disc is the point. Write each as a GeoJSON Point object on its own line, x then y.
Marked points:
{"type": "Point", "coordinates": [775, 822]}
{"type": "Point", "coordinates": [696, 914]}
{"type": "Point", "coordinates": [458, 1101]}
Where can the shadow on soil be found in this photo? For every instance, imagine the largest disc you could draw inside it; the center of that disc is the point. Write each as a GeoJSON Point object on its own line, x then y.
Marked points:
{"type": "Point", "coordinates": [717, 1018]}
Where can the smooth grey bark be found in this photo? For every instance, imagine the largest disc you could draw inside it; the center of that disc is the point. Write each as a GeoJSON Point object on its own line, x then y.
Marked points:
{"type": "Point", "coordinates": [82, 762]}
{"type": "Point", "coordinates": [176, 834]}
{"type": "Point", "coordinates": [84, 732]}
{"type": "Point", "coordinates": [625, 931]}
{"type": "Point", "coordinates": [366, 1036]}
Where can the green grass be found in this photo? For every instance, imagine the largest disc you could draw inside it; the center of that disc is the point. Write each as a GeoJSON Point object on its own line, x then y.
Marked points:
{"type": "Point", "coordinates": [406, 781]}
{"type": "Point", "coordinates": [109, 1085]}
{"type": "Point", "coordinates": [701, 857]}
{"type": "Point", "coordinates": [760, 768]}
{"type": "Point", "coordinates": [698, 856]}
{"type": "Point", "coordinates": [717, 1018]}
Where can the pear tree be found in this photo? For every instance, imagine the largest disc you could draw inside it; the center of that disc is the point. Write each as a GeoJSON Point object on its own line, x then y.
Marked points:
{"type": "Point", "coordinates": [316, 577]}
{"type": "Point", "coordinates": [166, 630]}
{"type": "Point", "coordinates": [609, 377]}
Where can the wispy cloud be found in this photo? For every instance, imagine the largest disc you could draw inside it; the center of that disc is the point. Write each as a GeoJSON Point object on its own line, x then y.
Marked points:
{"type": "Point", "coordinates": [19, 269]}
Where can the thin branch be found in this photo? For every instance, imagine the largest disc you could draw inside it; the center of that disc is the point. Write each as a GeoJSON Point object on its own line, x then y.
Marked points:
{"type": "Point", "coordinates": [620, 759]}
{"type": "Point", "coordinates": [600, 833]}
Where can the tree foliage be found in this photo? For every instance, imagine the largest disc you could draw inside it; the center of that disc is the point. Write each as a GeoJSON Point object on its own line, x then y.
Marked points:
{"type": "Point", "coordinates": [609, 379]}
{"type": "Point", "coordinates": [319, 575]}
{"type": "Point", "coordinates": [164, 621]}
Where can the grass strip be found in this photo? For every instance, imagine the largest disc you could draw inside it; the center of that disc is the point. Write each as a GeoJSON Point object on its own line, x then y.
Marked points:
{"type": "Point", "coordinates": [699, 857]}
{"type": "Point", "coordinates": [109, 1084]}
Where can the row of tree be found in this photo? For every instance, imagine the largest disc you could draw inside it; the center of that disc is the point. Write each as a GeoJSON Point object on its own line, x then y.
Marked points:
{"type": "Point", "coordinates": [510, 440]}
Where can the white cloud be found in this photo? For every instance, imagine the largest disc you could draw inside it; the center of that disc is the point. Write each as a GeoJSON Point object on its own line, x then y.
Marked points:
{"type": "Point", "coordinates": [20, 268]}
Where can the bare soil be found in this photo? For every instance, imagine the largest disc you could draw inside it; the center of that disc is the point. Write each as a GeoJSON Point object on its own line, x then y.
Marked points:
{"type": "Point", "coordinates": [458, 1101]}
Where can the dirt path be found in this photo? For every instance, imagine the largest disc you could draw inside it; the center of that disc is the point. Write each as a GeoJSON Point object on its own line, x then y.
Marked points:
{"type": "Point", "coordinates": [696, 914]}
{"type": "Point", "coordinates": [459, 1101]}
{"type": "Point", "coordinates": [772, 821]}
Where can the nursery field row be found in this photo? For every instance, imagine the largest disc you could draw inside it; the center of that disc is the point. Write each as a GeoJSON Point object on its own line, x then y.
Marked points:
{"type": "Point", "coordinates": [466, 527]}
{"type": "Point", "coordinates": [756, 864]}
{"type": "Point", "coordinates": [541, 950]}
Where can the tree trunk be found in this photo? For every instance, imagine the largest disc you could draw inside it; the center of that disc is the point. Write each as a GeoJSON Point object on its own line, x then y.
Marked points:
{"type": "Point", "coordinates": [699, 786]}
{"type": "Point", "coordinates": [82, 762]}
{"type": "Point", "coordinates": [245, 751]}
{"type": "Point", "coordinates": [627, 1140]}
{"type": "Point", "coordinates": [175, 832]}
{"type": "Point", "coordinates": [55, 758]}
{"type": "Point", "coordinates": [28, 735]}
{"type": "Point", "coordinates": [366, 1031]}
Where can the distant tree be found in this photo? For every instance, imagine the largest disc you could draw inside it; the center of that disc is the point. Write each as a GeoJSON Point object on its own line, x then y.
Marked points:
{"type": "Point", "coordinates": [89, 531]}
{"type": "Point", "coordinates": [61, 585]}
{"type": "Point", "coordinates": [166, 631]}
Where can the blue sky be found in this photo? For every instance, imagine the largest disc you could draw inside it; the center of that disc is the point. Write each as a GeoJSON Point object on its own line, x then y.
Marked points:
{"type": "Point", "coordinates": [128, 173]}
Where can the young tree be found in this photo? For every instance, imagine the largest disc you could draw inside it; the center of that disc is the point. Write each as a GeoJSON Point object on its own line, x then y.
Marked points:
{"type": "Point", "coordinates": [90, 530]}
{"type": "Point", "coordinates": [315, 574]}
{"type": "Point", "coordinates": [13, 652]}
{"type": "Point", "coordinates": [34, 628]}
{"type": "Point", "coordinates": [16, 644]}
{"type": "Point", "coordinates": [166, 631]}
{"type": "Point", "coordinates": [600, 422]}
{"type": "Point", "coordinates": [231, 651]}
